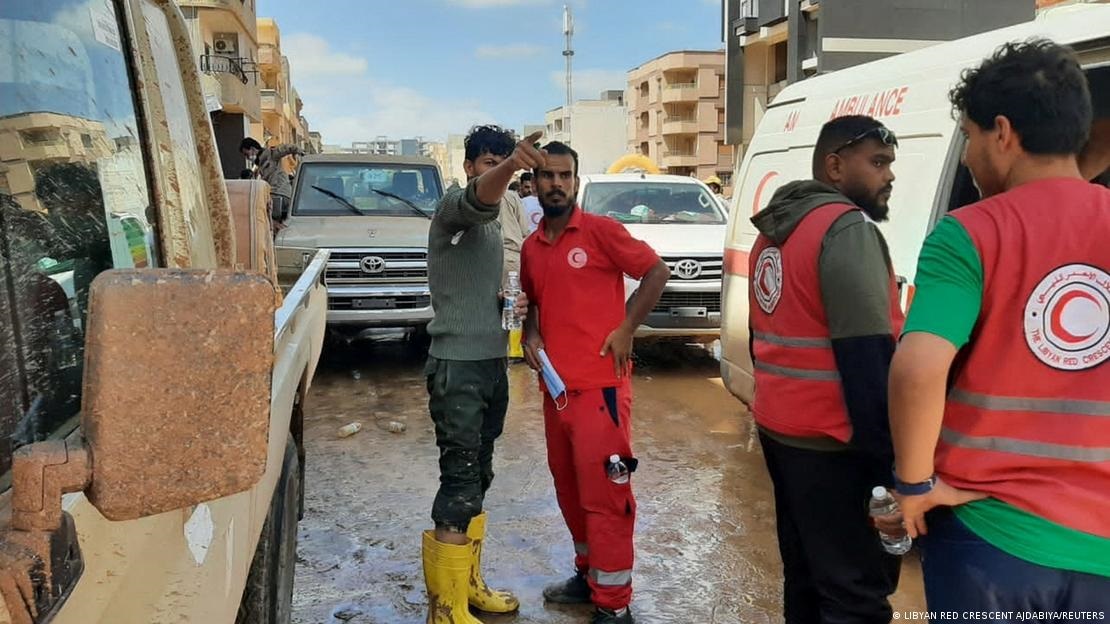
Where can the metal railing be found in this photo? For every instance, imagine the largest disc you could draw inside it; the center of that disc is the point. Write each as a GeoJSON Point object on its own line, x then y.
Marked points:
{"type": "Point", "coordinates": [220, 64]}
{"type": "Point", "coordinates": [682, 85]}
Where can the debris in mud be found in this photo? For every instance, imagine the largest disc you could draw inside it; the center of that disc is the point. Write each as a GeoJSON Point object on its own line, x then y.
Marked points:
{"type": "Point", "coordinates": [346, 613]}
{"type": "Point", "coordinates": [393, 426]}
{"type": "Point", "coordinates": [347, 431]}
{"type": "Point", "coordinates": [356, 375]}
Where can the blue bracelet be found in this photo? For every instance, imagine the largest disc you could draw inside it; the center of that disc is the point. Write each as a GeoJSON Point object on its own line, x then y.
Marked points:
{"type": "Point", "coordinates": [914, 489]}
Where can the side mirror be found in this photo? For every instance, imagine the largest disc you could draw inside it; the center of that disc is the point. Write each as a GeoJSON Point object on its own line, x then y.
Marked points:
{"type": "Point", "coordinates": [176, 407]}
{"type": "Point", "coordinates": [176, 411]}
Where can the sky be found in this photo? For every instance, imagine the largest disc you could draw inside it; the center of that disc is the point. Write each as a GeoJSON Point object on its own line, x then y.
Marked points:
{"type": "Point", "coordinates": [405, 68]}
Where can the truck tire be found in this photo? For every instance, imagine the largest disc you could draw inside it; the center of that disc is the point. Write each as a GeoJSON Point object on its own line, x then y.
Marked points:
{"type": "Point", "coordinates": [268, 595]}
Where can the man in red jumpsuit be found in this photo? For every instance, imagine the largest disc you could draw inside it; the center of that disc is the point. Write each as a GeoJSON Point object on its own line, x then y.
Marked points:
{"type": "Point", "coordinates": [573, 271]}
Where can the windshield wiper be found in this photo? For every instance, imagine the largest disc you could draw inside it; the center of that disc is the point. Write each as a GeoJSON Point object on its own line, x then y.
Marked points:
{"type": "Point", "coordinates": [406, 202]}
{"type": "Point", "coordinates": [339, 198]}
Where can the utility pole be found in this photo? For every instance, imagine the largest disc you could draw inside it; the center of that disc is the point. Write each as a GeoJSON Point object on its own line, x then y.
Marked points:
{"type": "Point", "coordinates": [568, 53]}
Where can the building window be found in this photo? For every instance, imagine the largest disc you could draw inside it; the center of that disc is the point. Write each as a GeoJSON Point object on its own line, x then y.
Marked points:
{"type": "Point", "coordinates": [749, 9]}
{"type": "Point", "coordinates": [87, 141]}
{"type": "Point", "coordinates": [726, 177]}
{"type": "Point", "coordinates": [780, 61]}
{"type": "Point", "coordinates": [40, 136]}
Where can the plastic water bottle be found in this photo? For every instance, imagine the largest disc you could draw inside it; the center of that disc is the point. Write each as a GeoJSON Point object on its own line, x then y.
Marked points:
{"type": "Point", "coordinates": [617, 469]}
{"type": "Point", "coordinates": [883, 504]}
{"type": "Point", "coordinates": [509, 318]}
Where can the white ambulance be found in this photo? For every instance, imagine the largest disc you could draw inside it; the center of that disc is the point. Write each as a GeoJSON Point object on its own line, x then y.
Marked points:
{"type": "Point", "coordinates": [909, 94]}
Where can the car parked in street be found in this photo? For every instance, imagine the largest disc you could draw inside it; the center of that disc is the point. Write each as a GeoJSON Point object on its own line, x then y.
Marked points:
{"type": "Point", "coordinates": [373, 213]}
{"type": "Point", "coordinates": [683, 221]}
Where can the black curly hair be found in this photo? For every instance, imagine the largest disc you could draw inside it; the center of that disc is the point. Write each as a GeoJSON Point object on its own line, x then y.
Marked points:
{"type": "Point", "coordinates": [489, 139]}
{"type": "Point", "coordinates": [1038, 86]}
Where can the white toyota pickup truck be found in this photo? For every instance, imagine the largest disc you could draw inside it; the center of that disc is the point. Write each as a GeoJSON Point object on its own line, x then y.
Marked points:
{"type": "Point", "coordinates": [682, 220]}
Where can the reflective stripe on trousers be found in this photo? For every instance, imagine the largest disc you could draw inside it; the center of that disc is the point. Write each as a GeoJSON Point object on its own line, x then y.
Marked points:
{"type": "Point", "coordinates": [620, 578]}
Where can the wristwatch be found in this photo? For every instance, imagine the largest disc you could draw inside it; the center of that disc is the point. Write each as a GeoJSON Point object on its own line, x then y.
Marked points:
{"type": "Point", "coordinates": [914, 489]}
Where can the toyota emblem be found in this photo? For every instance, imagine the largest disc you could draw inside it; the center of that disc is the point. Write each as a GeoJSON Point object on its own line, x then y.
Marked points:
{"type": "Point", "coordinates": [687, 269]}
{"type": "Point", "coordinates": [372, 264]}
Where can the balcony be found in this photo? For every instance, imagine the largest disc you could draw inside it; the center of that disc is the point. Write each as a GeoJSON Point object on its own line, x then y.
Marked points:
{"type": "Point", "coordinates": [240, 68]}
{"type": "Point", "coordinates": [680, 92]}
{"type": "Point", "coordinates": [269, 58]}
{"type": "Point", "coordinates": [272, 102]}
{"type": "Point", "coordinates": [680, 159]}
{"type": "Point", "coordinates": [46, 151]}
{"type": "Point", "coordinates": [241, 11]}
{"type": "Point", "coordinates": [680, 124]}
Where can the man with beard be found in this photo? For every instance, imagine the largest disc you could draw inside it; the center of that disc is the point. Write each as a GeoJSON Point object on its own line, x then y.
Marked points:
{"type": "Point", "coordinates": [573, 274]}
{"type": "Point", "coordinates": [824, 313]}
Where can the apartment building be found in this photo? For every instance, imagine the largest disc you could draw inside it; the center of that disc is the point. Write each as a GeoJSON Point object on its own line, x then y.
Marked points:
{"type": "Point", "coordinates": [224, 34]}
{"type": "Point", "coordinates": [282, 118]}
{"type": "Point", "coordinates": [676, 114]}
{"type": "Point", "coordinates": [596, 129]}
{"type": "Point", "coordinates": [772, 43]}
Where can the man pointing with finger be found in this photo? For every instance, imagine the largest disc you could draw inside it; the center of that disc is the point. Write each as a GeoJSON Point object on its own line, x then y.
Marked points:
{"type": "Point", "coordinates": [468, 391]}
{"type": "Point", "coordinates": [573, 271]}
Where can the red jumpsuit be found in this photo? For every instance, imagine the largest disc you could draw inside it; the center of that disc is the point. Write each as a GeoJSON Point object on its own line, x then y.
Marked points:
{"type": "Point", "coordinates": [577, 285]}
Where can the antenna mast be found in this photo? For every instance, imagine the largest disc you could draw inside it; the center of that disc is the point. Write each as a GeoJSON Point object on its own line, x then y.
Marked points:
{"type": "Point", "coordinates": [568, 53]}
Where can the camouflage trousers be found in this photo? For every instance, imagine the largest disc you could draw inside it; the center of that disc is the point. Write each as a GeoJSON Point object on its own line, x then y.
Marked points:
{"type": "Point", "coordinates": [467, 401]}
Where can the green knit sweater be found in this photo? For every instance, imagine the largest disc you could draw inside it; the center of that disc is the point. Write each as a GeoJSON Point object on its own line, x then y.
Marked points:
{"type": "Point", "coordinates": [465, 257]}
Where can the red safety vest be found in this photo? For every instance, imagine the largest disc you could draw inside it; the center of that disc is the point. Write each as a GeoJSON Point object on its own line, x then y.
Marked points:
{"type": "Point", "coordinates": [1028, 417]}
{"type": "Point", "coordinates": [797, 386]}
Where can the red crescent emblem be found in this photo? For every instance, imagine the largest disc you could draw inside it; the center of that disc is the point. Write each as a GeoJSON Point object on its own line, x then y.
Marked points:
{"type": "Point", "coordinates": [759, 190]}
{"type": "Point", "coordinates": [1058, 312]}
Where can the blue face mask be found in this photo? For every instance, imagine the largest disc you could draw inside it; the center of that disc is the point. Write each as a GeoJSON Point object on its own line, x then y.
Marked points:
{"type": "Point", "coordinates": [551, 379]}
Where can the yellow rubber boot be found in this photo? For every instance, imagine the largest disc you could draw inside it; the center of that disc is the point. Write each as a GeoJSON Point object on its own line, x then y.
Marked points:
{"type": "Point", "coordinates": [446, 573]}
{"type": "Point", "coordinates": [481, 596]}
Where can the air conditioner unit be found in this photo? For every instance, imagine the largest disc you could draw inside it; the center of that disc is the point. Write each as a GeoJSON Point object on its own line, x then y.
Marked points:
{"type": "Point", "coordinates": [226, 44]}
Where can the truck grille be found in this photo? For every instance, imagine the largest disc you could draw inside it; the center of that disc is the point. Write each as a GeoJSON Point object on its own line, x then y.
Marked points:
{"type": "Point", "coordinates": [400, 267]}
{"type": "Point", "coordinates": [403, 302]}
{"type": "Point", "coordinates": [694, 268]}
{"type": "Point", "coordinates": [711, 301]}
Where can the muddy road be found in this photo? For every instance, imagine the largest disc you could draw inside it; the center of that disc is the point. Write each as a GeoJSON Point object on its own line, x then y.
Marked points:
{"type": "Point", "coordinates": [706, 547]}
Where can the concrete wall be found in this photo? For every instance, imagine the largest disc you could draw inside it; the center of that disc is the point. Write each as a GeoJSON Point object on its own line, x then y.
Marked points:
{"type": "Point", "coordinates": [841, 33]}
{"type": "Point", "coordinates": [922, 20]}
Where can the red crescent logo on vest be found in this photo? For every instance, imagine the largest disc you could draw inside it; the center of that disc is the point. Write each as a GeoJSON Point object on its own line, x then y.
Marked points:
{"type": "Point", "coordinates": [767, 281]}
{"type": "Point", "coordinates": [1067, 318]}
{"type": "Point", "coordinates": [577, 258]}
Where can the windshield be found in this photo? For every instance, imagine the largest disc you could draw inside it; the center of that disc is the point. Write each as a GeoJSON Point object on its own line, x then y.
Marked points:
{"type": "Point", "coordinates": [652, 202]}
{"type": "Point", "coordinates": [377, 190]}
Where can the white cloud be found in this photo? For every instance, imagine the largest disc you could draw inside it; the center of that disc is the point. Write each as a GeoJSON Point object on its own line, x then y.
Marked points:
{"type": "Point", "coordinates": [345, 103]}
{"type": "Point", "coordinates": [311, 55]}
{"type": "Point", "coordinates": [508, 52]}
{"type": "Point", "coordinates": [589, 83]}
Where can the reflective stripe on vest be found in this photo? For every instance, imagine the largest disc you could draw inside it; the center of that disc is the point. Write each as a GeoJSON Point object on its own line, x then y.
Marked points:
{"type": "Point", "coordinates": [797, 373]}
{"type": "Point", "coordinates": [620, 578]}
{"type": "Point", "coordinates": [1044, 450]}
{"type": "Point", "coordinates": [1027, 404]}
{"type": "Point", "coordinates": [784, 341]}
